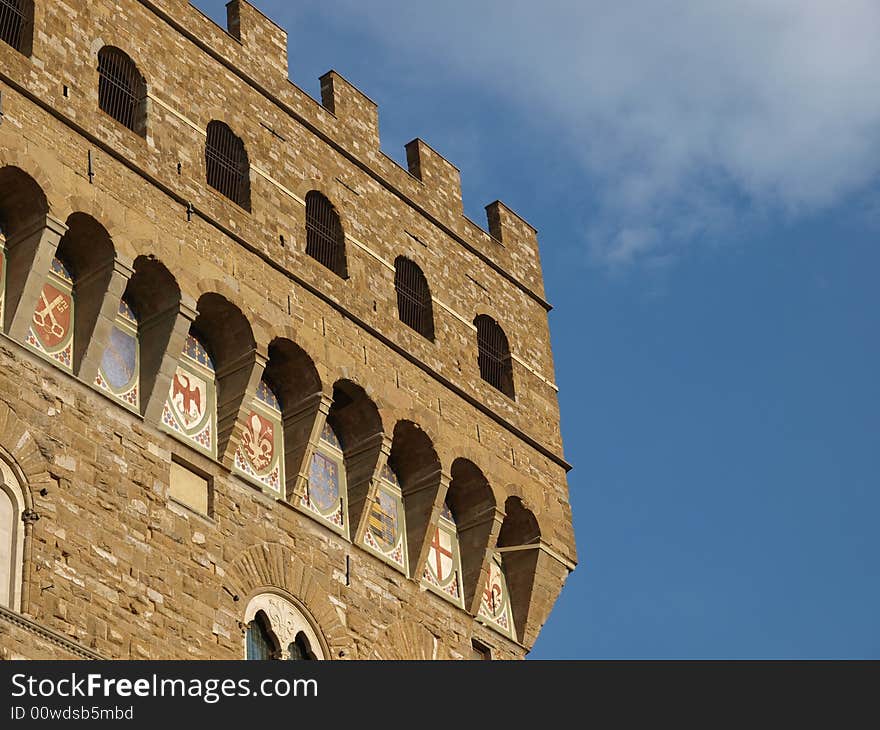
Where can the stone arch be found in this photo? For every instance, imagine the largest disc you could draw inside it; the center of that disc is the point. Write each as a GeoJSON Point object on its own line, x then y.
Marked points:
{"type": "Point", "coordinates": [154, 297]}
{"type": "Point", "coordinates": [25, 458]}
{"type": "Point", "coordinates": [475, 508]}
{"type": "Point", "coordinates": [272, 567]}
{"type": "Point", "coordinates": [18, 164]}
{"type": "Point", "coordinates": [417, 466]}
{"type": "Point", "coordinates": [357, 422]}
{"type": "Point", "coordinates": [226, 333]}
{"type": "Point", "coordinates": [88, 252]}
{"type": "Point", "coordinates": [519, 541]}
{"type": "Point", "coordinates": [402, 641]}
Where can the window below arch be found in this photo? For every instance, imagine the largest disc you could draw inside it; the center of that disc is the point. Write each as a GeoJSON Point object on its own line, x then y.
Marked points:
{"type": "Point", "coordinates": [495, 599]}
{"type": "Point", "coordinates": [496, 366]}
{"type": "Point", "coordinates": [278, 629]}
{"type": "Point", "coordinates": [260, 644]}
{"type": "Point", "coordinates": [226, 164]}
{"type": "Point", "coordinates": [51, 330]}
{"type": "Point", "coordinates": [17, 24]}
{"type": "Point", "coordinates": [325, 239]}
{"type": "Point", "coordinates": [386, 524]}
{"type": "Point", "coordinates": [326, 488]}
{"type": "Point", "coordinates": [414, 306]}
{"type": "Point", "coordinates": [443, 569]}
{"type": "Point", "coordinates": [190, 411]}
{"type": "Point", "coordinates": [11, 538]}
{"type": "Point", "coordinates": [122, 90]}
{"type": "Point", "coordinates": [119, 371]}
{"type": "Point", "coordinates": [260, 455]}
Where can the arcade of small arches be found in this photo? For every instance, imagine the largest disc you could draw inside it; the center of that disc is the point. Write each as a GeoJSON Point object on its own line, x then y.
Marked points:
{"type": "Point", "coordinates": [196, 374]}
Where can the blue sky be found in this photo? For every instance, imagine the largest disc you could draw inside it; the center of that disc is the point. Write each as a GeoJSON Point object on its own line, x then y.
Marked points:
{"type": "Point", "coordinates": [704, 178]}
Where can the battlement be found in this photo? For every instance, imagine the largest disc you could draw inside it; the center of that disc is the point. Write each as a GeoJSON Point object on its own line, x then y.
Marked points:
{"type": "Point", "coordinates": [257, 46]}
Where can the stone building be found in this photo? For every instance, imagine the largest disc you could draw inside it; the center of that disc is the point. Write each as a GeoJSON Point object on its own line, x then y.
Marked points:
{"type": "Point", "coordinates": [263, 391]}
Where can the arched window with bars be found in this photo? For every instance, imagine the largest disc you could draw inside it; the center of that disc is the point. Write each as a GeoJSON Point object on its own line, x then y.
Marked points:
{"type": "Point", "coordinates": [386, 526]}
{"type": "Point", "coordinates": [119, 371]}
{"type": "Point", "coordinates": [17, 24]}
{"type": "Point", "coordinates": [325, 239]}
{"type": "Point", "coordinates": [414, 306]}
{"type": "Point", "coordinates": [496, 366]}
{"type": "Point", "coordinates": [226, 164]}
{"type": "Point", "coordinates": [122, 90]}
{"type": "Point", "coordinates": [260, 455]}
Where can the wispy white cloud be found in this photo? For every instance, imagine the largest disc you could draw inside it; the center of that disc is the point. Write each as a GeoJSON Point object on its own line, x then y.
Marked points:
{"type": "Point", "coordinates": [683, 113]}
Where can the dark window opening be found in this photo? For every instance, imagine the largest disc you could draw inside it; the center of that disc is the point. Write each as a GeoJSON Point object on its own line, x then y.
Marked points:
{"type": "Point", "coordinates": [226, 164]}
{"type": "Point", "coordinates": [260, 645]}
{"type": "Point", "coordinates": [16, 24]}
{"type": "Point", "coordinates": [414, 305]}
{"type": "Point", "coordinates": [496, 366]}
{"type": "Point", "coordinates": [122, 91]}
{"type": "Point", "coordinates": [325, 240]}
{"type": "Point", "coordinates": [299, 649]}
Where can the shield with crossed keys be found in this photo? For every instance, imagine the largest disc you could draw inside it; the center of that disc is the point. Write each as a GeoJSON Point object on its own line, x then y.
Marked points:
{"type": "Point", "coordinates": [51, 322]}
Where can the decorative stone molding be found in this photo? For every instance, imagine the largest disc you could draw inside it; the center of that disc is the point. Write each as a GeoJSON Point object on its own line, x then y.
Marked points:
{"type": "Point", "coordinates": [286, 622]}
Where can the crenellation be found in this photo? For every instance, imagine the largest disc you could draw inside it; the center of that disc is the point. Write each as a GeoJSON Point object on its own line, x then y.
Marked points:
{"type": "Point", "coordinates": [441, 178]}
{"type": "Point", "coordinates": [357, 114]}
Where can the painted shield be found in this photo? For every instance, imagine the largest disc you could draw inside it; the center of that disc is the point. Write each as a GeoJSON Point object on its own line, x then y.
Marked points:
{"type": "Point", "coordinates": [120, 359]}
{"type": "Point", "coordinates": [384, 520]}
{"type": "Point", "coordinates": [189, 397]}
{"type": "Point", "coordinates": [258, 442]}
{"type": "Point", "coordinates": [440, 558]}
{"type": "Point", "coordinates": [51, 323]}
{"type": "Point", "coordinates": [324, 483]}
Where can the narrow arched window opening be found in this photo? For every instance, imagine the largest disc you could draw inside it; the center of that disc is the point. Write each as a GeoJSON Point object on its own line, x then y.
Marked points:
{"type": "Point", "coordinates": [299, 649]}
{"type": "Point", "coordinates": [12, 507]}
{"type": "Point", "coordinates": [122, 90]}
{"type": "Point", "coordinates": [260, 644]}
{"type": "Point", "coordinates": [414, 306]}
{"type": "Point", "coordinates": [494, 359]}
{"type": "Point", "coordinates": [325, 239]}
{"type": "Point", "coordinates": [226, 164]}
{"type": "Point", "coordinates": [17, 24]}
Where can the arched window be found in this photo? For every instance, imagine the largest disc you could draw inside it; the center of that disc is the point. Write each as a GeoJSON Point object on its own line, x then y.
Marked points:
{"type": "Point", "coordinates": [386, 525]}
{"type": "Point", "coordinates": [11, 538]}
{"type": "Point", "coordinates": [325, 239]}
{"type": "Point", "coordinates": [494, 358]}
{"type": "Point", "coordinates": [51, 330]}
{"type": "Point", "coordinates": [260, 644]}
{"type": "Point", "coordinates": [119, 371]}
{"type": "Point", "coordinates": [414, 306]}
{"type": "Point", "coordinates": [299, 649]}
{"type": "Point", "coordinates": [260, 455]}
{"type": "Point", "coordinates": [17, 24]}
{"type": "Point", "coordinates": [278, 629]}
{"type": "Point", "coordinates": [190, 412]}
{"type": "Point", "coordinates": [495, 599]}
{"type": "Point", "coordinates": [226, 164]}
{"type": "Point", "coordinates": [122, 90]}
{"type": "Point", "coordinates": [326, 489]}
{"type": "Point", "coordinates": [443, 569]}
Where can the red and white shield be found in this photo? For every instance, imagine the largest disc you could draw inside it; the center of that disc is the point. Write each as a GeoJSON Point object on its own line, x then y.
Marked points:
{"type": "Point", "coordinates": [440, 558]}
{"type": "Point", "coordinates": [188, 397]}
{"type": "Point", "coordinates": [258, 441]}
{"type": "Point", "coordinates": [51, 322]}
